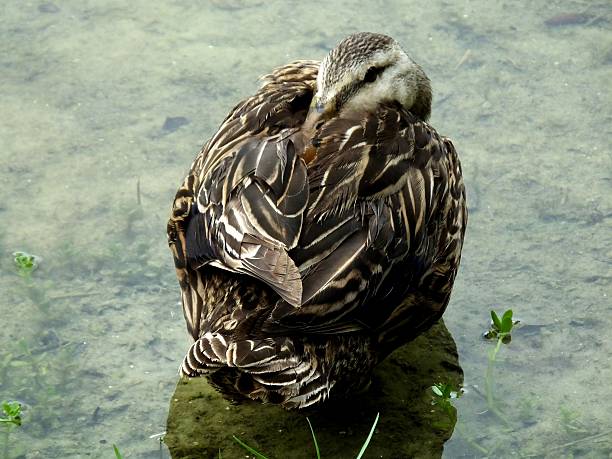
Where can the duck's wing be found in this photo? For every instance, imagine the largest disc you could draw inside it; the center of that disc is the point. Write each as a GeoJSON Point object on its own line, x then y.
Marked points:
{"type": "Point", "coordinates": [240, 207]}
{"type": "Point", "coordinates": [386, 217]}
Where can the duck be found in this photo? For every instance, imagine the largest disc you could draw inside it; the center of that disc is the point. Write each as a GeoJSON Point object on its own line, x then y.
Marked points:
{"type": "Point", "coordinates": [319, 228]}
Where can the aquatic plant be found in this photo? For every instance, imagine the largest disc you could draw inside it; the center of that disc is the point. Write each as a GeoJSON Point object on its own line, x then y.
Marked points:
{"type": "Point", "coordinates": [10, 419]}
{"type": "Point", "coordinates": [501, 330]}
{"type": "Point", "coordinates": [117, 453]}
{"type": "Point", "coordinates": [259, 455]}
{"type": "Point", "coordinates": [571, 423]}
{"type": "Point", "coordinates": [25, 263]}
{"type": "Point", "coordinates": [443, 394]}
{"type": "Point", "coordinates": [47, 364]}
{"type": "Point", "coordinates": [12, 413]}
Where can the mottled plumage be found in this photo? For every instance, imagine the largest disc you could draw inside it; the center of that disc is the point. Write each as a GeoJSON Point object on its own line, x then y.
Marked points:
{"type": "Point", "coordinates": [319, 228]}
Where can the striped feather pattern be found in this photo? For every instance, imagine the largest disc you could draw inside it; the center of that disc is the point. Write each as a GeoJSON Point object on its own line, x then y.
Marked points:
{"type": "Point", "coordinates": [298, 277]}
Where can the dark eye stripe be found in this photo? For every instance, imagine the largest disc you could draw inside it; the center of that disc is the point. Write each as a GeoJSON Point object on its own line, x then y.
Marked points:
{"type": "Point", "coordinates": [347, 92]}
{"type": "Point", "coordinates": [372, 74]}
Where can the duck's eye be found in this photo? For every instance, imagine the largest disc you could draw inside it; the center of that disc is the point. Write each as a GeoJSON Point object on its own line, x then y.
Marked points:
{"type": "Point", "coordinates": [372, 74]}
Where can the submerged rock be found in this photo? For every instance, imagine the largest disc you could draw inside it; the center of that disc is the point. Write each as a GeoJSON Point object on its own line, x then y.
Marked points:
{"type": "Point", "coordinates": [48, 7]}
{"type": "Point", "coordinates": [172, 123]}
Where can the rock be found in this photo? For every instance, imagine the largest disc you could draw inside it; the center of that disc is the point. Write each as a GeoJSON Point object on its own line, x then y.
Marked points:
{"type": "Point", "coordinates": [48, 7]}
{"type": "Point", "coordinates": [201, 422]}
{"type": "Point", "coordinates": [172, 123]}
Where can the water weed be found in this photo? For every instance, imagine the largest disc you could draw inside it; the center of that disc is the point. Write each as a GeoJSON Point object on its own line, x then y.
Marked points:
{"type": "Point", "coordinates": [12, 413]}
{"type": "Point", "coordinates": [444, 393]}
{"type": "Point", "coordinates": [25, 263]}
{"type": "Point", "coordinates": [10, 419]}
{"type": "Point", "coordinates": [48, 368]}
{"type": "Point", "coordinates": [501, 329]}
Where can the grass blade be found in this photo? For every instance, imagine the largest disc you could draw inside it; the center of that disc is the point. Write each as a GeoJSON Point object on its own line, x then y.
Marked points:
{"type": "Point", "coordinates": [314, 439]}
{"type": "Point", "coordinates": [367, 442]}
{"type": "Point", "coordinates": [257, 454]}
{"type": "Point", "coordinates": [117, 453]}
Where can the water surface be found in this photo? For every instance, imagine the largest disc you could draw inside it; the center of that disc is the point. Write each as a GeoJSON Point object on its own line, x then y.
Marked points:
{"type": "Point", "coordinates": [103, 106]}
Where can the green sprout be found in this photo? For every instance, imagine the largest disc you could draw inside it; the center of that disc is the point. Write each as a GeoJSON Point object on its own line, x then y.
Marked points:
{"type": "Point", "coordinates": [12, 412]}
{"type": "Point", "coordinates": [25, 263]}
{"type": "Point", "coordinates": [259, 455]}
{"type": "Point", "coordinates": [11, 418]}
{"type": "Point", "coordinates": [501, 330]}
{"type": "Point", "coordinates": [444, 393]}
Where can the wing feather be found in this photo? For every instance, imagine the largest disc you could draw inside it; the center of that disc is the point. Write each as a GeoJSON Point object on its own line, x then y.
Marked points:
{"type": "Point", "coordinates": [375, 220]}
{"type": "Point", "coordinates": [240, 207]}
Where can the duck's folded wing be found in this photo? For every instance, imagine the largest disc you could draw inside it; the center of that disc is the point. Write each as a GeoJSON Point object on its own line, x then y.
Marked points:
{"type": "Point", "coordinates": [379, 200]}
{"type": "Point", "coordinates": [254, 125]}
{"type": "Point", "coordinates": [249, 215]}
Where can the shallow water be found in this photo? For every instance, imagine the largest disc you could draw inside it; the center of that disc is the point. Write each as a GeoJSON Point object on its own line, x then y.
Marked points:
{"type": "Point", "coordinates": [105, 104]}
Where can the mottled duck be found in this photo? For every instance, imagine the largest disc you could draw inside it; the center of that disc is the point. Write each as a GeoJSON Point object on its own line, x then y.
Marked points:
{"type": "Point", "coordinates": [319, 229]}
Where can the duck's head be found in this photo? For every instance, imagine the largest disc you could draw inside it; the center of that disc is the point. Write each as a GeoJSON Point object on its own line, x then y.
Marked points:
{"type": "Point", "coordinates": [365, 70]}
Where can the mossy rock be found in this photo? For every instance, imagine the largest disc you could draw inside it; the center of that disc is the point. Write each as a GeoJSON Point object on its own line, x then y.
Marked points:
{"type": "Point", "coordinates": [201, 423]}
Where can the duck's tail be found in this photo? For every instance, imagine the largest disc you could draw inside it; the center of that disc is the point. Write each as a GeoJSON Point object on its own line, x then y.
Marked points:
{"type": "Point", "coordinates": [269, 369]}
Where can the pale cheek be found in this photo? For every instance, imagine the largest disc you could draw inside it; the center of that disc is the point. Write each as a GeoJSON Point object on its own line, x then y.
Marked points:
{"type": "Point", "coordinates": [403, 96]}
{"type": "Point", "coordinates": [365, 100]}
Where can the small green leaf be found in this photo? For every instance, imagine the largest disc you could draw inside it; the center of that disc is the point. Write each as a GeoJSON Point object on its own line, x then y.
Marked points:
{"type": "Point", "coordinates": [25, 263]}
{"type": "Point", "coordinates": [506, 325]}
{"type": "Point", "coordinates": [13, 413]}
{"type": "Point", "coordinates": [117, 453]}
{"type": "Point", "coordinates": [496, 322]}
{"type": "Point", "coordinates": [436, 390]}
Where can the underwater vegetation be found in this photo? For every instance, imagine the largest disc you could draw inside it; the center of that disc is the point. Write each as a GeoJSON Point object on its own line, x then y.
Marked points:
{"type": "Point", "coordinates": [37, 353]}
{"type": "Point", "coordinates": [12, 413]}
{"type": "Point", "coordinates": [500, 330]}
{"type": "Point", "coordinates": [10, 419]}
{"type": "Point", "coordinates": [43, 349]}
{"type": "Point", "coordinates": [444, 393]}
{"type": "Point", "coordinates": [25, 263]}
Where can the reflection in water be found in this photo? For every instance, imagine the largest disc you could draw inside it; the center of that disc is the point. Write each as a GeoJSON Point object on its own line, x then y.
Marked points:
{"type": "Point", "coordinates": [201, 422]}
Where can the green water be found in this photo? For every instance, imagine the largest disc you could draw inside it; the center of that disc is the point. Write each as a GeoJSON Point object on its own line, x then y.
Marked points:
{"type": "Point", "coordinates": [88, 168]}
